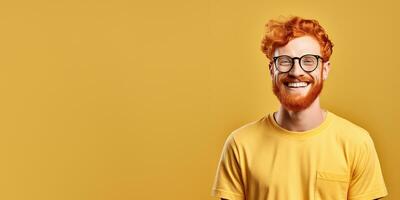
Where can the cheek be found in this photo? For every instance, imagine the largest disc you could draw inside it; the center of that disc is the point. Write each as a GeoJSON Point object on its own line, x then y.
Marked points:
{"type": "Point", "coordinates": [318, 76]}
{"type": "Point", "coordinates": [277, 79]}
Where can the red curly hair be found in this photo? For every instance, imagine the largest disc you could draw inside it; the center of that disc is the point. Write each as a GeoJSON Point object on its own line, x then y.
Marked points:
{"type": "Point", "coordinates": [279, 33]}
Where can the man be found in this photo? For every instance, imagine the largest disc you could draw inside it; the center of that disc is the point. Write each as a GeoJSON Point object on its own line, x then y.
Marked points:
{"type": "Point", "coordinates": [301, 151]}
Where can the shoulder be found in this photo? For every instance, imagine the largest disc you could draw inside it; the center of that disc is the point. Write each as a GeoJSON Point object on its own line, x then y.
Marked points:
{"type": "Point", "coordinates": [249, 131]}
{"type": "Point", "coordinates": [351, 133]}
{"type": "Point", "coordinates": [349, 128]}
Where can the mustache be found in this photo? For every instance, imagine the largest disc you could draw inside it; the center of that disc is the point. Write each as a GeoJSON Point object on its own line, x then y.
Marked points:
{"type": "Point", "coordinates": [287, 79]}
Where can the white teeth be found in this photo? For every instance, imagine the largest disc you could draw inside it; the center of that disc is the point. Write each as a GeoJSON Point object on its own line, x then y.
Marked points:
{"type": "Point", "coordinates": [299, 84]}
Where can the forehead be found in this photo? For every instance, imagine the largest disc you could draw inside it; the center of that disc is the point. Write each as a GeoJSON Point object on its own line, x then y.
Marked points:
{"type": "Point", "coordinates": [299, 46]}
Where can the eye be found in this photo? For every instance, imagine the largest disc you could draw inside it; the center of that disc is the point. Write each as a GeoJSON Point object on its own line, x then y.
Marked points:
{"type": "Point", "coordinates": [308, 60]}
{"type": "Point", "coordinates": [284, 61]}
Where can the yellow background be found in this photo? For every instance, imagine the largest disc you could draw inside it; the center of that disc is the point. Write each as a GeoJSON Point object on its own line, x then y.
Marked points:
{"type": "Point", "coordinates": [134, 99]}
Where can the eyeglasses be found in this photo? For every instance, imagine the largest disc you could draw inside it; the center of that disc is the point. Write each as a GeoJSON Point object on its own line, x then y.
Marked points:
{"type": "Point", "coordinates": [308, 62]}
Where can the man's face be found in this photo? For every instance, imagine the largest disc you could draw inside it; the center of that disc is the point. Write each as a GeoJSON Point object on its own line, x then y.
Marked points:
{"type": "Point", "coordinates": [295, 97]}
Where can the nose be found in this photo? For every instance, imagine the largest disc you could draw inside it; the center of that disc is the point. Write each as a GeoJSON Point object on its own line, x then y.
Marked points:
{"type": "Point", "coordinates": [296, 69]}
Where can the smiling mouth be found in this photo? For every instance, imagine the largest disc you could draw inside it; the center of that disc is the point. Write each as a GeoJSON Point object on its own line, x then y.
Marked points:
{"type": "Point", "coordinates": [296, 84]}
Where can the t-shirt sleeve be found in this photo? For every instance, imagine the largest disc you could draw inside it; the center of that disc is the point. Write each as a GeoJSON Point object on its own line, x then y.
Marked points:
{"type": "Point", "coordinates": [367, 180]}
{"type": "Point", "coordinates": [228, 182]}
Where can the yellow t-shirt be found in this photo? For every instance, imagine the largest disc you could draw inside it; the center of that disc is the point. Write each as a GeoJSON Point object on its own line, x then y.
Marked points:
{"type": "Point", "coordinates": [336, 160]}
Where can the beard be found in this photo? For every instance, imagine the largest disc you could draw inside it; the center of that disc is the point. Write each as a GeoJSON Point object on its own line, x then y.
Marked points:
{"type": "Point", "coordinates": [297, 102]}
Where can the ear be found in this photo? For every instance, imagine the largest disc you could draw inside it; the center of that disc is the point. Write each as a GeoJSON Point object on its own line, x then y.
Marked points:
{"type": "Point", "coordinates": [325, 70]}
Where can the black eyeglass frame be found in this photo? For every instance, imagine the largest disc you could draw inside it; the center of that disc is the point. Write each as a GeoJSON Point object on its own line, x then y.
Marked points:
{"type": "Point", "coordinates": [298, 58]}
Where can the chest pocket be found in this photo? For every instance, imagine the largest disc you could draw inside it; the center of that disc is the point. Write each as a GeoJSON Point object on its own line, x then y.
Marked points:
{"type": "Point", "coordinates": [331, 186]}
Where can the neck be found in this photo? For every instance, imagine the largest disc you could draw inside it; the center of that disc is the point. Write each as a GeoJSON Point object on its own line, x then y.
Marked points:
{"type": "Point", "coordinates": [303, 120]}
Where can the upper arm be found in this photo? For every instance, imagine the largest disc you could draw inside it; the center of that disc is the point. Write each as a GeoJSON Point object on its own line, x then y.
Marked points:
{"type": "Point", "coordinates": [228, 182]}
{"type": "Point", "coordinates": [367, 180]}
